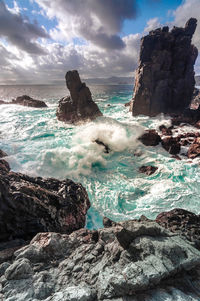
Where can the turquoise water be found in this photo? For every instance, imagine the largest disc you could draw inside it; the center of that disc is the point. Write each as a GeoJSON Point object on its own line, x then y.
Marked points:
{"type": "Point", "coordinates": [38, 144]}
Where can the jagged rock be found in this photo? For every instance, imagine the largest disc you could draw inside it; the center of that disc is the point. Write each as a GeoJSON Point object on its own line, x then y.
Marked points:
{"type": "Point", "coordinates": [30, 205]}
{"type": "Point", "coordinates": [194, 149]}
{"type": "Point", "coordinates": [26, 101]}
{"type": "Point", "coordinates": [182, 222]}
{"type": "Point", "coordinates": [149, 170]}
{"type": "Point", "coordinates": [116, 262]}
{"type": "Point", "coordinates": [171, 145]}
{"type": "Point", "coordinates": [150, 138]}
{"type": "Point", "coordinates": [189, 116]}
{"type": "Point", "coordinates": [164, 81]}
{"type": "Point", "coordinates": [79, 106]}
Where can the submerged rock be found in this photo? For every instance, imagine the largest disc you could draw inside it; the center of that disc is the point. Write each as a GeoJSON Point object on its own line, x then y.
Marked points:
{"type": "Point", "coordinates": [30, 205]}
{"type": "Point", "coordinates": [79, 106]}
{"type": "Point", "coordinates": [115, 262]}
{"type": "Point", "coordinates": [26, 101]}
{"type": "Point", "coordinates": [164, 81]}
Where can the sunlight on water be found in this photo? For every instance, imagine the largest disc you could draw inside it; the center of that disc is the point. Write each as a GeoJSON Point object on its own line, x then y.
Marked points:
{"type": "Point", "coordinates": [38, 144]}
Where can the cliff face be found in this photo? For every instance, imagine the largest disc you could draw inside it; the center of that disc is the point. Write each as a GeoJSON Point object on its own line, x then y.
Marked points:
{"type": "Point", "coordinates": [79, 106]}
{"type": "Point", "coordinates": [164, 81]}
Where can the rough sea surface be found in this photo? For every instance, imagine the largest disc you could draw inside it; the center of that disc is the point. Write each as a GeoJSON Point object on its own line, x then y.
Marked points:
{"type": "Point", "coordinates": [39, 145]}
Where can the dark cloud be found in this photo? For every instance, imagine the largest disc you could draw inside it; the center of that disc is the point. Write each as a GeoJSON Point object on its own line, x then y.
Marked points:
{"type": "Point", "coordinates": [98, 21]}
{"type": "Point", "coordinates": [17, 30]}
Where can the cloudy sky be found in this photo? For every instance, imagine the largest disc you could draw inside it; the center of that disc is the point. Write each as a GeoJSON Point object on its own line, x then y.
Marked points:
{"type": "Point", "coordinates": [41, 39]}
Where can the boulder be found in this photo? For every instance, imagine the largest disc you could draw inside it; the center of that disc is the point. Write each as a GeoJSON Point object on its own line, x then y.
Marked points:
{"type": "Point", "coordinates": [165, 131]}
{"type": "Point", "coordinates": [122, 260]}
{"type": "Point", "coordinates": [26, 101]}
{"type": "Point", "coordinates": [79, 106]}
{"type": "Point", "coordinates": [194, 149]}
{"type": "Point", "coordinates": [148, 170]}
{"type": "Point", "coordinates": [164, 81]}
{"type": "Point", "coordinates": [30, 205]}
{"type": "Point", "coordinates": [171, 145]}
{"type": "Point", "coordinates": [150, 138]}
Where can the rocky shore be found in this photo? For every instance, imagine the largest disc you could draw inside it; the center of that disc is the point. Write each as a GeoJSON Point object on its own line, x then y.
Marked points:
{"type": "Point", "coordinates": [131, 260]}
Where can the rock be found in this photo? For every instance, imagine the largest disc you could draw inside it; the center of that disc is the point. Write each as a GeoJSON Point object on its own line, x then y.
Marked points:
{"type": "Point", "coordinates": [26, 101]}
{"type": "Point", "coordinates": [122, 260]}
{"type": "Point", "coordinates": [30, 205]}
{"type": "Point", "coordinates": [182, 222]}
{"type": "Point", "coordinates": [165, 131]}
{"type": "Point", "coordinates": [4, 166]}
{"type": "Point", "coordinates": [20, 269]}
{"type": "Point", "coordinates": [106, 147]}
{"type": "Point", "coordinates": [171, 145]}
{"type": "Point", "coordinates": [164, 81]}
{"type": "Point", "coordinates": [149, 170]}
{"type": "Point", "coordinates": [79, 106]}
{"type": "Point", "coordinates": [127, 104]}
{"type": "Point", "coordinates": [150, 138]}
{"type": "Point", "coordinates": [2, 154]}
{"type": "Point", "coordinates": [194, 149]}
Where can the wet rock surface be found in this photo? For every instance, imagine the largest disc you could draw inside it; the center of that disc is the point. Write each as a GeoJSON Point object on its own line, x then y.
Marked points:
{"type": "Point", "coordinates": [171, 145]}
{"type": "Point", "coordinates": [79, 106]}
{"type": "Point", "coordinates": [183, 222]}
{"type": "Point", "coordinates": [126, 261]}
{"type": "Point", "coordinates": [164, 81]}
{"type": "Point", "coordinates": [30, 205]}
{"type": "Point", "coordinates": [26, 101]}
{"type": "Point", "coordinates": [148, 170]}
{"type": "Point", "coordinates": [150, 138]}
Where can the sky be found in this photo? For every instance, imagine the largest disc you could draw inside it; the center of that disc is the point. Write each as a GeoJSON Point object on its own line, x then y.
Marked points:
{"type": "Point", "coordinates": [42, 39]}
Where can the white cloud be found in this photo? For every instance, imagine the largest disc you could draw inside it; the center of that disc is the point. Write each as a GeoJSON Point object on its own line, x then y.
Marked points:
{"type": "Point", "coordinates": [96, 21]}
{"type": "Point", "coordinates": [152, 24]}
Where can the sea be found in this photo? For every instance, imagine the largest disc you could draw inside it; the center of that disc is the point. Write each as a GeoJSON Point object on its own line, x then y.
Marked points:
{"type": "Point", "coordinates": [40, 145]}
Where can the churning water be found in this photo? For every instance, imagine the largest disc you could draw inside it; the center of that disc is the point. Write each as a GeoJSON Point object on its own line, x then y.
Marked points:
{"type": "Point", "coordinates": [39, 145]}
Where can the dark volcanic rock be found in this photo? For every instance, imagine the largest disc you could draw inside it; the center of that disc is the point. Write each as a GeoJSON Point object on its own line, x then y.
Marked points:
{"type": "Point", "coordinates": [79, 106]}
{"type": "Point", "coordinates": [149, 170]}
{"type": "Point", "coordinates": [26, 101]}
{"type": "Point", "coordinates": [164, 81]}
{"type": "Point", "coordinates": [171, 145]}
{"type": "Point", "coordinates": [165, 131]}
{"type": "Point", "coordinates": [194, 149]}
{"type": "Point", "coordinates": [30, 205]}
{"type": "Point", "coordinates": [182, 222]}
{"type": "Point", "coordinates": [2, 154]}
{"type": "Point", "coordinates": [150, 138]}
{"type": "Point", "coordinates": [106, 147]}
{"type": "Point", "coordinates": [115, 262]}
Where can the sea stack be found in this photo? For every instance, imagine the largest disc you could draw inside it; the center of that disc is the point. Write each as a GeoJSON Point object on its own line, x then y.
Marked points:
{"type": "Point", "coordinates": [164, 81]}
{"type": "Point", "coordinates": [79, 106]}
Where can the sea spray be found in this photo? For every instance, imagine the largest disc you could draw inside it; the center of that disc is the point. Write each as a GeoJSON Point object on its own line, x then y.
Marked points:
{"type": "Point", "coordinates": [39, 145]}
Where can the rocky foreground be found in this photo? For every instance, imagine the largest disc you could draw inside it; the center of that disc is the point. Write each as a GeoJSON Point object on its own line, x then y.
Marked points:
{"type": "Point", "coordinates": [30, 205]}
{"type": "Point", "coordinates": [127, 261]}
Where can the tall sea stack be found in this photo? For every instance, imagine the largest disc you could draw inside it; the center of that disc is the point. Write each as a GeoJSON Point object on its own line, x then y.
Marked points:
{"type": "Point", "coordinates": [79, 106]}
{"type": "Point", "coordinates": [164, 81]}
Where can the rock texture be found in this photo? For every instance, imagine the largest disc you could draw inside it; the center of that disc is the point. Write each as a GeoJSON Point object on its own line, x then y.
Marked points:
{"type": "Point", "coordinates": [30, 205]}
{"type": "Point", "coordinates": [26, 101]}
{"type": "Point", "coordinates": [79, 106]}
{"type": "Point", "coordinates": [148, 170]}
{"type": "Point", "coordinates": [164, 81]}
{"type": "Point", "coordinates": [123, 262]}
{"type": "Point", "coordinates": [150, 138]}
